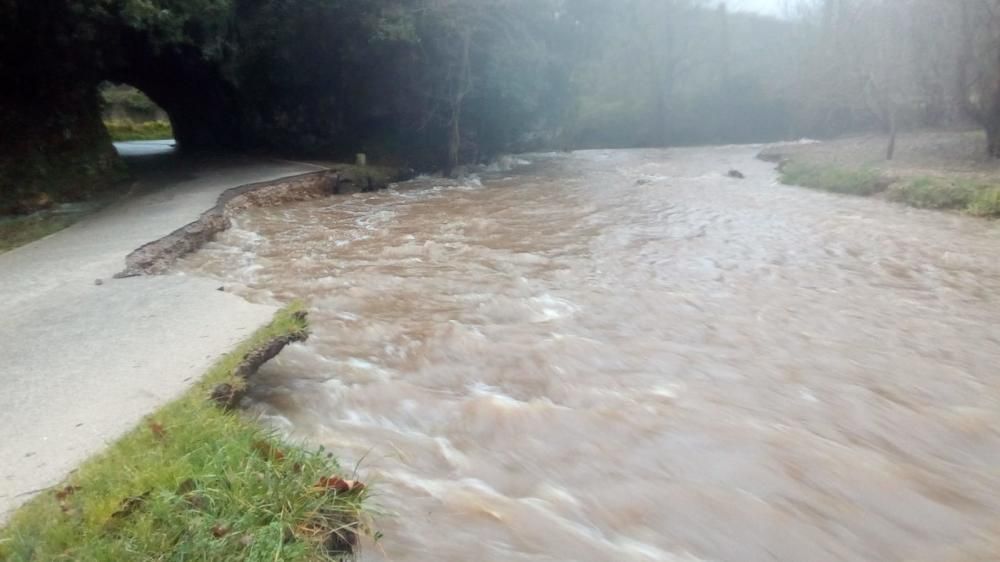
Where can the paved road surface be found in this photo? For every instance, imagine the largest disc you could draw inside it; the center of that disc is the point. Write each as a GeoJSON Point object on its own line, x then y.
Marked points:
{"type": "Point", "coordinates": [82, 363]}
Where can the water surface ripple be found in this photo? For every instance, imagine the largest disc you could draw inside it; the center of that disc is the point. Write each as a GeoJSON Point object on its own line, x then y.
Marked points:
{"type": "Point", "coordinates": [627, 356]}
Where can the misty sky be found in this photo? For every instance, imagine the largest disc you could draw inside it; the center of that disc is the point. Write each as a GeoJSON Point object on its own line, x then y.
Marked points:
{"type": "Point", "coordinates": [772, 7]}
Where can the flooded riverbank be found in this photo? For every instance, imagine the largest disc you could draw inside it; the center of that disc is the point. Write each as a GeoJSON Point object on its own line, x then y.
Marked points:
{"type": "Point", "coordinates": [626, 355]}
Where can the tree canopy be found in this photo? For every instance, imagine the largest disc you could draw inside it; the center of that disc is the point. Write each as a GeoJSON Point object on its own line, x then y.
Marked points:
{"type": "Point", "coordinates": [435, 83]}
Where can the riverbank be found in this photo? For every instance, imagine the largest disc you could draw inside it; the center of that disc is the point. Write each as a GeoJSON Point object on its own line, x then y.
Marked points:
{"type": "Point", "coordinates": [88, 354]}
{"type": "Point", "coordinates": [334, 179]}
{"type": "Point", "coordinates": [86, 357]}
{"type": "Point", "coordinates": [195, 480]}
{"type": "Point", "coordinates": [156, 167]}
{"type": "Point", "coordinates": [943, 170]}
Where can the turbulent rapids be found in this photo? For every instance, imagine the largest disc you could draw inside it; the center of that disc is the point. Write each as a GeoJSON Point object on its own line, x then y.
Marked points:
{"type": "Point", "coordinates": [629, 356]}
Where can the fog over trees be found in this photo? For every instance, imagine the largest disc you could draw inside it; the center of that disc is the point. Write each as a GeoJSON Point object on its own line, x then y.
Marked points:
{"type": "Point", "coordinates": [437, 83]}
{"type": "Point", "coordinates": [899, 63]}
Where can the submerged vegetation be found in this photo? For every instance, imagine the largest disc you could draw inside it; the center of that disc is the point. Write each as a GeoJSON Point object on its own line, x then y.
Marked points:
{"type": "Point", "coordinates": [195, 482]}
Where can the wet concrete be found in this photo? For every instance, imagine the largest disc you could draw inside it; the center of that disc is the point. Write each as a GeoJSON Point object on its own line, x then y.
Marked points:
{"type": "Point", "coordinates": [81, 362]}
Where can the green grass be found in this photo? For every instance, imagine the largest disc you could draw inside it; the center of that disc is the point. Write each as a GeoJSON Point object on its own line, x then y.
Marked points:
{"type": "Point", "coordinates": [121, 131]}
{"type": "Point", "coordinates": [18, 231]}
{"type": "Point", "coordinates": [127, 98]}
{"type": "Point", "coordinates": [934, 193]}
{"type": "Point", "coordinates": [976, 198]}
{"type": "Point", "coordinates": [854, 181]}
{"type": "Point", "coordinates": [986, 203]}
{"type": "Point", "coordinates": [979, 199]}
{"type": "Point", "coordinates": [195, 483]}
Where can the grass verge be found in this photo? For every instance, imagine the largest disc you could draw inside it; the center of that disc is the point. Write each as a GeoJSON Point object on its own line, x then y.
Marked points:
{"type": "Point", "coordinates": [934, 193]}
{"type": "Point", "coordinates": [195, 482]}
{"type": "Point", "coordinates": [853, 181]}
{"type": "Point", "coordinates": [18, 231]}
{"type": "Point", "coordinates": [927, 192]}
{"type": "Point", "coordinates": [986, 203]}
{"type": "Point", "coordinates": [122, 131]}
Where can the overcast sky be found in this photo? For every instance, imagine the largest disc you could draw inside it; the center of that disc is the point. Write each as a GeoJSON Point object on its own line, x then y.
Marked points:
{"type": "Point", "coordinates": [773, 7]}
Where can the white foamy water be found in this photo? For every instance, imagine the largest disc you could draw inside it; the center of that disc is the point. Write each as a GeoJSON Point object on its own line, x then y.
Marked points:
{"type": "Point", "coordinates": [625, 355]}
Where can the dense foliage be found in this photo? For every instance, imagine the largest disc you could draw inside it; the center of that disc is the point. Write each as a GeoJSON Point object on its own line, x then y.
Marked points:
{"type": "Point", "coordinates": [437, 83]}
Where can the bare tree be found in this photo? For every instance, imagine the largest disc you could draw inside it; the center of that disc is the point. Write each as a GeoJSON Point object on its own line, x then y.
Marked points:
{"type": "Point", "coordinates": [979, 67]}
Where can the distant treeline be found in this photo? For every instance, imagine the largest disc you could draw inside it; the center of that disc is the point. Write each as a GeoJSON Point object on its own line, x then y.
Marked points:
{"type": "Point", "coordinates": [678, 71]}
{"type": "Point", "coordinates": [436, 83]}
{"type": "Point", "coordinates": [892, 64]}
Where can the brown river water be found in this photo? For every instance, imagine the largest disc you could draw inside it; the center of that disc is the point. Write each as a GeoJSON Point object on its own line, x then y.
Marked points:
{"type": "Point", "coordinates": [627, 356]}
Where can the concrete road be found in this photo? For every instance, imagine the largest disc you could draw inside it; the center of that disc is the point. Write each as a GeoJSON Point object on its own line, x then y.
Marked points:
{"type": "Point", "coordinates": [82, 363]}
{"type": "Point", "coordinates": [145, 148]}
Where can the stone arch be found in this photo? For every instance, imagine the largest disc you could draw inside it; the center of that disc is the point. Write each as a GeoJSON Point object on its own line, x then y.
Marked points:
{"type": "Point", "coordinates": [202, 105]}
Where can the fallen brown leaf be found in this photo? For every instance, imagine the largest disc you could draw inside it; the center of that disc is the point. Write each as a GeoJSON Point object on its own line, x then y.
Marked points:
{"type": "Point", "coordinates": [67, 492]}
{"type": "Point", "coordinates": [220, 530]}
{"type": "Point", "coordinates": [158, 431]}
{"type": "Point", "coordinates": [268, 451]}
{"type": "Point", "coordinates": [339, 485]}
{"type": "Point", "coordinates": [186, 487]}
{"type": "Point", "coordinates": [130, 505]}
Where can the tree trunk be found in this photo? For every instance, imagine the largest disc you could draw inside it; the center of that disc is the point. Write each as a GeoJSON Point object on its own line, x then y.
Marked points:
{"type": "Point", "coordinates": [890, 152]}
{"type": "Point", "coordinates": [987, 111]}
{"type": "Point", "coordinates": [462, 87]}
{"type": "Point", "coordinates": [454, 138]}
{"type": "Point", "coordinates": [966, 57]}
{"type": "Point", "coordinates": [990, 120]}
{"type": "Point", "coordinates": [993, 139]}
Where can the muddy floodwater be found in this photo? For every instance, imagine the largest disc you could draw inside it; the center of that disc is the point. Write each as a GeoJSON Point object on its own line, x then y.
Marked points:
{"type": "Point", "coordinates": [627, 356]}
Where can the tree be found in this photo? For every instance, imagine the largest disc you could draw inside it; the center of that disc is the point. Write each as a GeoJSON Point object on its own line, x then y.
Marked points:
{"type": "Point", "coordinates": [490, 71]}
{"type": "Point", "coordinates": [979, 67]}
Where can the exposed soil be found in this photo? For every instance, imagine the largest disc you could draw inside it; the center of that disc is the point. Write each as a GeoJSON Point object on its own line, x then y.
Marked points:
{"type": "Point", "coordinates": [229, 394]}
